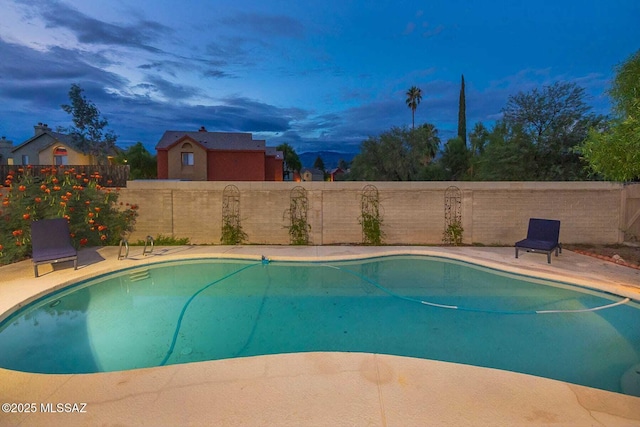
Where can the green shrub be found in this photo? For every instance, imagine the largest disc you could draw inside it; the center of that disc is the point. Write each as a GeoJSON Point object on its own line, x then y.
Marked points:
{"type": "Point", "coordinates": [299, 231]}
{"type": "Point", "coordinates": [371, 222]}
{"type": "Point", "coordinates": [232, 233]}
{"type": "Point", "coordinates": [162, 240]}
{"type": "Point", "coordinates": [95, 218]}
{"type": "Point", "coordinates": [453, 234]}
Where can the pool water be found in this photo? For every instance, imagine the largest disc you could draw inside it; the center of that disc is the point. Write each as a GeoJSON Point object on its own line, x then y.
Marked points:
{"type": "Point", "coordinates": [413, 306]}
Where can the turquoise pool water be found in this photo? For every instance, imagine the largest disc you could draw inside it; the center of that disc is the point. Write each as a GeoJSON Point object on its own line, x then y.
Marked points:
{"type": "Point", "coordinates": [414, 306]}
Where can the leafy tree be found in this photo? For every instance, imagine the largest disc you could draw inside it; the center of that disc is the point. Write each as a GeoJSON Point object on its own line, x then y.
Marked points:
{"type": "Point", "coordinates": [142, 164]}
{"type": "Point", "coordinates": [434, 171]}
{"type": "Point", "coordinates": [509, 155]}
{"type": "Point", "coordinates": [291, 159]}
{"type": "Point", "coordinates": [425, 142]}
{"type": "Point", "coordinates": [462, 114]}
{"type": "Point", "coordinates": [414, 96]}
{"type": "Point", "coordinates": [615, 152]}
{"type": "Point", "coordinates": [319, 164]}
{"type": "Point", "coordinates": [371, 164]}
{"type": "Point", "coordinates": [456, 158]}
{"type": "Point", "coordinates": [344, 165]}
{"type": "Point", "coordinates": [88, 131]}
{"type": "Point", "coordinates": [396, 155]}
{"type": "Point", "coordinates": [549, 122]}
{"type": "Point", "coordinates": [478, 138]}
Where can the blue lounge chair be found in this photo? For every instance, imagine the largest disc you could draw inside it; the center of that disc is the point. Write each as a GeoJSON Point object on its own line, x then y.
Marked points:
{"type": "Point", "coordinates": [542, 236]}
{"type": "Point", "coordinates": [51, 243]}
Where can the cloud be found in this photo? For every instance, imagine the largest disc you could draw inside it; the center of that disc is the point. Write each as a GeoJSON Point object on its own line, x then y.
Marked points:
{"type": "Point", "coordinates": [89, 30]}
{"type": "Point", "coordinates": [216, 73]}
{"type": "Point", "coordinates": [433, 32]}
{"type": "Point", "coordinates": [172, 91]}
{"type": "Point", "coordinates": [51, 71]}
{"type": "Point", "coordinates": [411, 26]}
{"type": "Point", "coordinates": [232, 115]}
{"type": "Point", "coordinates": [226, 51]}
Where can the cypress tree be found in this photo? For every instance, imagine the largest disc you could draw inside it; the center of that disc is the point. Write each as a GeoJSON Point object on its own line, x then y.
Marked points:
{"type": "Point", "coordinates": [462, 115]}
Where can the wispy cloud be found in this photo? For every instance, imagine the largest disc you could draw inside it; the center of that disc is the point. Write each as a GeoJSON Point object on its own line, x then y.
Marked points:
{"type": "Point", "coordinates": [88, 30]}
{"type": "Point", "coordinates": [54, 68]}
{"type": "Point", "coordinates": [409, 29]}
{"type": "Point", "coordinates": [433, 32]}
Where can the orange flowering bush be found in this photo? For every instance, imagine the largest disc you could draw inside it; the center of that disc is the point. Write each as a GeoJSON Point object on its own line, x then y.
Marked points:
{"type": "Point", "coordinates": [94, 216]}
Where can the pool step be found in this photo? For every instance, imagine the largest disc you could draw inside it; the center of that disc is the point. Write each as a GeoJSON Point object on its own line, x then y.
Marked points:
{"type": "Point", "coordinates": [136, 276]}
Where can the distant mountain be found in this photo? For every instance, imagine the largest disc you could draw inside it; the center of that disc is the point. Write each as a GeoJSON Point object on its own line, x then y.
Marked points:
{"type": "Point", "coordinates": [330, 158]}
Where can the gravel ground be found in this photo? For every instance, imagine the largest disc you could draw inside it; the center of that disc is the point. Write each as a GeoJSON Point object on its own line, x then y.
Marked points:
{"type": "Point", "coordinates": [629, 254]}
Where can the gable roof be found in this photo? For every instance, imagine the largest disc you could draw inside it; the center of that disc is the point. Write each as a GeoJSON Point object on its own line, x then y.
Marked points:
{"type": "Point", "coordinates": [57, 138]}
{"type": "Point", "coordinates": [212, 140]}
{"type": "Point", "coordinates": [313, 171]}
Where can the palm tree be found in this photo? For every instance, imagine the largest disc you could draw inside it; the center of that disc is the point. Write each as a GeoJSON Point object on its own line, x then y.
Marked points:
{"type": "Point", "coordinates": [414, 96]}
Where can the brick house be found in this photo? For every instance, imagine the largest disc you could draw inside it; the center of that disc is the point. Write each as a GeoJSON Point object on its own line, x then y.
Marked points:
{"type": "Point", "coordinates": [217, 156]}
{"type": "Point", "coordinates": [47, 147]}
{"type": "Point", "coordinates": [335, 173]}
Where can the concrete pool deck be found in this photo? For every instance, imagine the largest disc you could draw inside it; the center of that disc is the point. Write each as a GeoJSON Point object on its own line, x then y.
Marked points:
{"type": "Point", "coordinates": [312, 388]}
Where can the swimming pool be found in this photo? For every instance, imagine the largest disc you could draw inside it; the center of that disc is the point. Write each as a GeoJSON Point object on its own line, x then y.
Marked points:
{"type": "Point", "coordinates": [414, 306]}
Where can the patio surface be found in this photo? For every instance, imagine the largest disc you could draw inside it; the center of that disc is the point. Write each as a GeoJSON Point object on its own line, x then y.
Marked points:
{"type": "Point", "coordinates": [314, 389]}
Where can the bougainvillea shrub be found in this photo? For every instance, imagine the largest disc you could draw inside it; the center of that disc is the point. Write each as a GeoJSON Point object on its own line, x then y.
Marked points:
{"type": "Point", "coordinates": [95, 216]}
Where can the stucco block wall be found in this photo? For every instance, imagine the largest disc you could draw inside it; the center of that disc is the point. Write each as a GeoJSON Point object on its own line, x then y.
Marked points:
{"type": "Point", "coordinates": [631, 206]}
{"type": "Point", "coordinates": [586, 215]}
{"type": "Point", "coordinates": [413, 213]}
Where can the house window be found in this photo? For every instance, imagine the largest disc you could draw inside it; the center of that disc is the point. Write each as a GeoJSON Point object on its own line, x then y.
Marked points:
{"type": "Point", "coordinates": [25, 159]}
{"type": "Point", "coordinates": [59, 156]}
{"type": "Point", "coordinates": [187, 159]}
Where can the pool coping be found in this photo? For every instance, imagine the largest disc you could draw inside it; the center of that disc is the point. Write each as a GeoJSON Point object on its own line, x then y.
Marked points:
{"type": "Point", "coordinates": [316, 388]}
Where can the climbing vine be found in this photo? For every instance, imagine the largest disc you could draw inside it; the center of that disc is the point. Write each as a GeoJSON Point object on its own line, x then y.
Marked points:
{"type": "Point", "coordinates": [370, 216]}
{"type": "Point", "coordinates": [232, 233]}
{"type": "Point", "coordinates": [299, 227]}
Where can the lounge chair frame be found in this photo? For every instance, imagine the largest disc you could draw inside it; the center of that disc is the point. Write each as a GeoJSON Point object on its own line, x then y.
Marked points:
{"type": "Point", "coordinates": [51, 243]}
{"type": "Point", "coordinates": [542, 237]}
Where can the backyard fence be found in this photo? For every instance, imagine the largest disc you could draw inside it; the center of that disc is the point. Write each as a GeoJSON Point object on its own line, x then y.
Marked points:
{"type": "Point", "coordinates": [410, 213]}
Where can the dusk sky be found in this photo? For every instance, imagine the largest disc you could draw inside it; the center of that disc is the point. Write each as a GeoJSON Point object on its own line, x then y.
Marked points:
{"type": "Point", "coordinates": [319, 75]}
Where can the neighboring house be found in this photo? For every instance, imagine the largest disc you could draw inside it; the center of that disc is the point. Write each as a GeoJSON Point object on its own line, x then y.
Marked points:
{"type": "Point", "coordinates": [334, 173]}
{"type": "Point", "coordinates": [47, 147]}
{"type": "Point", "coordinates": [217, 156]}
{"type": "Point", "coordinates": [311, 174]}
{"type": "Point", "coordinates": [6, 146]}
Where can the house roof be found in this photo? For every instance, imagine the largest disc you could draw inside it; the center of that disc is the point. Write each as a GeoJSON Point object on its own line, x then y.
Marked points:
{"type": "Point", "coordinates": [313, 171]}
{"type": "Point", "coordinates": [213, 140]}
{"type": "Point", "coordinates": [57, 138]}
{"type": "Point", "coordinates": [271, 151]}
